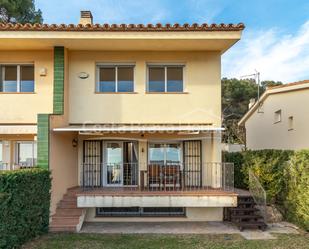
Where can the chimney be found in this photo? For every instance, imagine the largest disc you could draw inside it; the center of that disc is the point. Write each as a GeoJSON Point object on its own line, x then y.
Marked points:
{"type": "Point", "coordinates": [251, 103]}
{"type": "Point", "coordinates": [85, 17]}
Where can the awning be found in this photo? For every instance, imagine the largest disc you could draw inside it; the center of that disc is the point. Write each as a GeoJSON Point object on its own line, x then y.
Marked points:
{"type": "Point", "coordinates": [140, 128]}
{"type": "Point", "coordinates": [18, 129]}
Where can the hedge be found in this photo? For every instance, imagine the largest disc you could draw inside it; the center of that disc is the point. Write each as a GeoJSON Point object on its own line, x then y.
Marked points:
{"type": "Point", "coordinates": [267, 165]}
{"type": "Point", "coordinates": [238, 159]}
{"type": "Point", "coordinates": [297, 200]}
{"type": "Point", "coordinates": [24, 205]}
{"type": "Point", "coordinates": [284, 176]}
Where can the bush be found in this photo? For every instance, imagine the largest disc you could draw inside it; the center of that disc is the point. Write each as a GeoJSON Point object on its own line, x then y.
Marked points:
{"type": "Point", "coordinates": [24, 205]}
{"type": "Point", "coordinates": [238, 159]}
{"type": "Point", "coordinates": [269, 166]}
{"type": "Point", "coordinates": [297, 201]}
{"type": "Point", "coordinates": [283, 174]}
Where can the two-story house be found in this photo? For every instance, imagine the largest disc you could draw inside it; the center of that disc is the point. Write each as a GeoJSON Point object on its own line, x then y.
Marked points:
{"type": "Point", "coordinates": [126, 117]}
{"type": "Point", "coordinates": [279, 119]}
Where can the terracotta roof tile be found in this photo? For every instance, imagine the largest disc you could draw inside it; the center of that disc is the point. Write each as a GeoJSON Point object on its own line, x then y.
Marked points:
{"type": "Point", "coordinates": [290, 84]}
{"type": "Point", "coordinates": [121, 27]}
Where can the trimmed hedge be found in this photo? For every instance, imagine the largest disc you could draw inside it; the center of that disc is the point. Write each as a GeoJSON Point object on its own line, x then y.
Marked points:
{"type": "Point", "coordinates": [24, 205]}
{"type": "Point", "coordinates": [284, 176]}
{"type": "Point", "coordinates": [267, 165]}
{"type": "Point", "coordinates": [297, 200]}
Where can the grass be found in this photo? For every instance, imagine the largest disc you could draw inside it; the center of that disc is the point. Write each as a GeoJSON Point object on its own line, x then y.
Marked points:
{"type": "Point", "coordinates": [103, 241]}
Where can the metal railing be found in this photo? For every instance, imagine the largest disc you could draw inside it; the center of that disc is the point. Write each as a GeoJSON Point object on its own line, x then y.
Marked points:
{"type": "Point", "coordinates": [160, 177]}
{"type": "Point", "coordinates": [4, 166]}
{"type": "Point", "coordinates": [7, 166]}
{"type": "Point", "coordinates": [258, 193]}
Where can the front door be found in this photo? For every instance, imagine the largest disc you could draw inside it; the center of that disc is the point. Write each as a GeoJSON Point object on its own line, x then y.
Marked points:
{"type": "Point", "coordinates": [113, 167]}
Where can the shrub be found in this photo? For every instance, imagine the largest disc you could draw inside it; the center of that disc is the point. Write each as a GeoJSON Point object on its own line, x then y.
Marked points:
{"type": "Point", "coordinates": [238, 159]}
{"type": "Point", "coordinates": [269, 167]}
{"type": "Point", "coordinates": [297, 201]}
{"type": "Point", "coordinates": [24, 205]}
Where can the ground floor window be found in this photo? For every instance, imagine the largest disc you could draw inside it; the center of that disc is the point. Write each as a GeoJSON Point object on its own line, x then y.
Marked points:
{"type": "Point", "coordinates": [140, 211]}
{"type": "Point", "coordinates": [26, 153]}
{"type": "Point", "coordinates": [1, 157]}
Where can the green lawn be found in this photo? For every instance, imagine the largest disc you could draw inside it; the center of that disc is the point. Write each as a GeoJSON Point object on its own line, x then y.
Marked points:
{"type": "Point", "coordinates": [95, 241]}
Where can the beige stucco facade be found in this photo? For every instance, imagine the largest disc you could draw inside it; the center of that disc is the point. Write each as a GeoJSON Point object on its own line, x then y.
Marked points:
{"type": "Point", "coordinates": [199, 103]}
{"type": "Point", "coordinates": [22, 108]}
{"type": "Point", "coordinates": [264, 132]}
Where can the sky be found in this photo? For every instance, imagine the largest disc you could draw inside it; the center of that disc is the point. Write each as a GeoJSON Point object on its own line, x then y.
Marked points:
{"type": "Point", "coordinates": [274, 43]}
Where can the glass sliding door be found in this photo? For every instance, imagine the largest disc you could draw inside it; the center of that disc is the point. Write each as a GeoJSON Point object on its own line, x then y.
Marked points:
{"type": "Point", "coordinates": [110, 163]}
{"type": "Point", "coordinates": [113, 163]}
{"type": "Point", "coordinates": [165, 165]}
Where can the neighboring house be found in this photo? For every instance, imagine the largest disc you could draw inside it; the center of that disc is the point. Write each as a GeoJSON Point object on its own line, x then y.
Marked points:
{"type": "Point", "coordinates": [129, 115]}
{"type": "Point", "coordinates": [280, 119]}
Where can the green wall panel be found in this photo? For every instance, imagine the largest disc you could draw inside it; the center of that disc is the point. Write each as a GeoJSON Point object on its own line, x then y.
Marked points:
{"type": "Point", "coordinates": [58, 107]}
{"type": "Point", "coordinates": [43, 141]}
{"type": "Point", "coordinates": [58, 80]}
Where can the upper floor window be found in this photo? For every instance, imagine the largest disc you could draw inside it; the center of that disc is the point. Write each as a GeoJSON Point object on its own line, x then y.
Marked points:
{"type": "Point", "coordinates": [119, 78]}
{"type": "Point", "coordinates": [16, 78]}
{"type": "Point", "coordinates": [165, 78]}
{"type": "Point", "coordinates": [277, 117]}
{"type": "Point", "coordinates": [291, 123]}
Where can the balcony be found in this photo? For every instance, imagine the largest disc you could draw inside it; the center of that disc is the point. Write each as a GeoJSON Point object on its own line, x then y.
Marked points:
{"type": "Point", "coordinates": [155, 184]}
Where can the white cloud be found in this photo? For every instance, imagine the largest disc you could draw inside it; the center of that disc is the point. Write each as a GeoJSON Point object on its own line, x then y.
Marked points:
{"type": "Point", "coordinates": [277, 56]}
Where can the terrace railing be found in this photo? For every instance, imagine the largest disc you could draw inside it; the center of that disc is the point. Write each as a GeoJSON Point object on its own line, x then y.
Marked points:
{"type": "Point", "coordinates": [160, 177]}
{"type": "Point", "coordinates": [258, 193]}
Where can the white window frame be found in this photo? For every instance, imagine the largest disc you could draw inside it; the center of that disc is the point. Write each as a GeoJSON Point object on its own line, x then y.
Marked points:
{"type": "Point", "coordinates": [290, 123]}
{"type": "Point", "coordinates": [165, 66]}
{"type": "Point", "coordinates": [1, 149]}
{"type": "Point", "coordinates": [116, 65]}
{"type": "Point", "coordinates": [18, 81]}
{"type": "Point", "coordinates": [16, 153]}
{"type": "Point", "coordinates": [166, 143]}
{"type": "Point", "coordinates": [278, 114]}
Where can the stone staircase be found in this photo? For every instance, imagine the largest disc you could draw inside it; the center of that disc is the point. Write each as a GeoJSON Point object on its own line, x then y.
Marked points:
{"type": "Point", "coordinates": [68, 217]}
{"type": "Point", "coordinates": [246, 215]}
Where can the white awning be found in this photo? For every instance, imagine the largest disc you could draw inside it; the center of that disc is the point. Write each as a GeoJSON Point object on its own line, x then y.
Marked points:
{"type": "Point", "coordinates": [18, 129]}
{"type": "Point", "coordinates": [141, 128]}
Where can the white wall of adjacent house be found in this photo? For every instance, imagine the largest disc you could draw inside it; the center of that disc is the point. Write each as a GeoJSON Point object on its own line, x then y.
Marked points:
{"type": "Point", "coordinates": [281, 122]}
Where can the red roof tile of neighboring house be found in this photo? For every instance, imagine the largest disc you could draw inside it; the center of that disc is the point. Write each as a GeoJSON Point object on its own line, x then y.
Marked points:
{"type": "Point", "coordinates": [121, 27]}
{"type": "Point", "coordinates": [290, 84]}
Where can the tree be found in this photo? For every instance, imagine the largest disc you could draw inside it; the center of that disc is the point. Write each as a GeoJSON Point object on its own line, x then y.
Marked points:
{"type": "Point", "coordinates": [236, 95]}
{"type": "Point", "coordinates": [19, 11]}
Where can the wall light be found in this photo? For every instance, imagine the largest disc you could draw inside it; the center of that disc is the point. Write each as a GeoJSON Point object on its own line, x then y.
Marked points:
{"type": "Point", "coordinates": [74, 142]}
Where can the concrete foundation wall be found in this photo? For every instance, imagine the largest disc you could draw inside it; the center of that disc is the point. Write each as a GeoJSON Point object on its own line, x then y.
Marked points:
{"type": "Point", "coordinates": [192, 214]}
